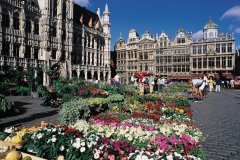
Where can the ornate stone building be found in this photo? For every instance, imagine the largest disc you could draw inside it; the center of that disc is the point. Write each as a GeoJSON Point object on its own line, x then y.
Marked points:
{"type": "Point", "coordinates": [215, 53]}
{"type": "Point", "coordinates": [40, 33]}
{"type": "Point", "coordinates": [173, 57]}
{"type": "Point", "coordinates": [178, 59]}
{"type": "Point", "coordinates": [91, 45]}
{"type": "Point", "coordinates": [137, 54]}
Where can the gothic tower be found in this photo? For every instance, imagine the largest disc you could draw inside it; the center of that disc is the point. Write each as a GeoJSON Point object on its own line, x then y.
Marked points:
{"type": "Point", "coordinates": [106, 29]}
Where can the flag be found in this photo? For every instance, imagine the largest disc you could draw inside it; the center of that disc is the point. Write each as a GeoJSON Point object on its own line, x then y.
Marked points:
{"type": "Point", "coordinates": [97, 25]}
{"type": "Point", "coordinates": [90, 23]}
{"type": "Point", "coordinates": [81, 19]}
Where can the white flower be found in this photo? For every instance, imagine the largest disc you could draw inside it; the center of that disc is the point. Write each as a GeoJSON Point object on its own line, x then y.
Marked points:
{"type": "Point", "coordinates": [144, 157]}
{"type": "Point", "coordinates": [76, 145]}
{"type": "Point", "coordinates": [82, 149]}
{"type": "Point", "coordinates": [62, 148]}
{"type": "Point", "coordinates": [54, 130]}
{"type": "Point", "coordinates": [9, 130]}
{"type": "Point", "coordinates": [40, 135]}
{"type": "Point", "coordinates": [83, 144]}
{"type": "Point", "coordinates": [96, 156]}
{"type": "Point", "coordinates": [169, 157]}
{"type": "Point", "coordinates": [54, 139]}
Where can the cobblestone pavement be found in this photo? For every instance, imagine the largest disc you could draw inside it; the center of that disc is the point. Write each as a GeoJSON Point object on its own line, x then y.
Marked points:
{"type": "Point", "coordinates": [29, 113]}
{"type": "Point", "coordinates": [218, 117]}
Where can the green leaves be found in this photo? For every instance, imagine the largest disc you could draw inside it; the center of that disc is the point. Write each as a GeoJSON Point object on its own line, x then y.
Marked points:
{"type": "Point", "coordinates": [5, 105]}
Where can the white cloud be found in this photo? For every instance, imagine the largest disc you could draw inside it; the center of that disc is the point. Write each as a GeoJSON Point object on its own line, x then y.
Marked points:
{"type": "Point", "coordinates": [84, 3]}
{"type": "Point", "coordinates": [197, 35]}
{"type": "Point", "coordinates": [237, 30]}
{"type": "Point", "coordinates": [233, 12]}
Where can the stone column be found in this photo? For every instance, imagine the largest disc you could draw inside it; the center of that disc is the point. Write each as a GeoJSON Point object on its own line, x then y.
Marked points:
{"type": "Point", "coordinates": [99, 75]}
{"type": "Point", "coordinates": [85, 74]}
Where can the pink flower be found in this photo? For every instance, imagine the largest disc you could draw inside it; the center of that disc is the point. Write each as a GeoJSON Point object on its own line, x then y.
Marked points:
{"type": "Point", "coordinates": [174, 140]}
{"type": "Point", "coordinates": [111, 157]}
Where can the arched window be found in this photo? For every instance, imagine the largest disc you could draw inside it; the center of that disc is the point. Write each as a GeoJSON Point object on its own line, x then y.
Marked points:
{"type": "Point", "coordinates": [16, 22]}
{"type": "Point", "coordinates": [28, 27]}
{"type": "Point", "coordinates": [5, 18]}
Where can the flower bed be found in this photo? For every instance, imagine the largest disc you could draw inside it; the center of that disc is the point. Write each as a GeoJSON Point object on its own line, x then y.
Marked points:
{"type": "Point", "coordinates": [122, 127]}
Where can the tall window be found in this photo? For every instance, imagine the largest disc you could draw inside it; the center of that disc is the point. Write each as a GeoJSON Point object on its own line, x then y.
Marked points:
{"type": "Point", "coordinates": [218, 48]}
{"type": "Point", "coordinates": [54, 31]}
{"type": "Point", "coordinates": [93, 58]}
{"type": "Point", "coordinates": [145, 55]}
{"type": "Point", "coordinates": [141, 67]}
{"type": "Point", "coordinates": [55, 3]}
{"type": "Point", "coordinates": [229, 61]}
{"type": "Point", "coordinates": [211, 62]}
{"type": "Point", "coordinates": [146, 67]}
{"type": "Point", "coordinates": [5, 48]}
{"type": "Point", "coordinates": [5, 18]}
{"type": "Point", "coordinates": [36, 27]}
{"type": "Point", "coordinates": [28, 25]}
{"type": "Point", "coordinates": [54, 53]}
{"type": "Point", "coordinates": [194, 50]}
{"type": "Point", "coordinates": [16, 50]}
{"type": "Point", "coordinates": [27, 52]}
{"type": "Point", "coordinates": [63, 35]}
{"type": "Point", "coordinates": [204, 49]}
{"type": "Point", "coordinates": [36, 50]}
{"type": "Point", "coordinates": [223, 62]}
{"type": "Point", "coordinates": [194, 63]}
{"type": "Point", "coordinates": [89, 58]}
{"type": "Point", "coordinates": [230, 47]}
{"type": "Point", "coordinates": [16, 20]}
{"type": "Point", "coordinates": [64, 11]}
{"type": "Point", "coordinates": [145, 46]}
{"type": "Point", "coordinates": [223, 47]}
{"type": "Point", "coordinates": [218, 62]}
{"type": "Point", "coordinates": [63, 55]}
{"type": "Point", "coordinates": [205, 62]}
{"type": "Point", "coordinates": [199, 49]}
{"type": "Point", "coordinates": [200, 63]}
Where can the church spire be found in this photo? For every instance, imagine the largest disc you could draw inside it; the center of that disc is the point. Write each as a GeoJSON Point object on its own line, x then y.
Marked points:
{"type": "Point", "coordinates": [106, 8]}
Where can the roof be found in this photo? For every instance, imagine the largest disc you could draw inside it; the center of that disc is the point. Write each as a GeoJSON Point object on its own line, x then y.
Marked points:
{"type": "Point", "coordinates": [87, 15]}
{"type": "Point", "coordinates": [211, 25]}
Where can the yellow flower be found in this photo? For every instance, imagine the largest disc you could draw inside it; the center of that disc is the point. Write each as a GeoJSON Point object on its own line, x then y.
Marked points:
{"type": "Point", "coordinates": [115, 108]}
{"type": "Point", "coordinates": [17, 139]}
{"type": "Point", "coordinates": [181, 111]}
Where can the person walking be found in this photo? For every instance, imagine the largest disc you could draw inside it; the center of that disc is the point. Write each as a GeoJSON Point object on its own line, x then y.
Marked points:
{"type": "Point", "coordinates": [218, 84]}
{"type": "Point", "coordinates": [211, 83]}
{"type": "Point", "coordinates": [151, 83]}
{"type": "Point", "coordinates": [205, 79]}
{"type": "Point", "coordinates": [232, 83]}
{"type": "Point", "coordinates": [160, 84]}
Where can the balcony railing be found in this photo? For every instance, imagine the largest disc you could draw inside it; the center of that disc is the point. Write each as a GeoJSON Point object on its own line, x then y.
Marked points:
{"type": "Point", "coordinates": [24, 62]}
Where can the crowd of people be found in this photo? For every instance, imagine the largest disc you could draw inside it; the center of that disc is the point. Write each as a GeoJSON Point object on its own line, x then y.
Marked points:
{"type": "Point", "coordinates": [155, 84]}
{"type": "Point", "coordinates": [202, 85]}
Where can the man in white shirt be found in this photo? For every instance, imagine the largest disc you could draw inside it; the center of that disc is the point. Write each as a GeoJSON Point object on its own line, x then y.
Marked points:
{"type": "Point", "coordinates": [117, 78]}
{"type": "Point", "coordinates": [232, 83]}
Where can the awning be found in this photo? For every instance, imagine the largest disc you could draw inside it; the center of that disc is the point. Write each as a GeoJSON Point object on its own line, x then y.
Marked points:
{"type": "Point", "coordinates": [180, 77]}
{"type": "Point", "coordinates": [228, 75]}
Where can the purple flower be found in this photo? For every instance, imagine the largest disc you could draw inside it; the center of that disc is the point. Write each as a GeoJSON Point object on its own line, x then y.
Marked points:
{"type": "Point", "coordinates": [174, 140]}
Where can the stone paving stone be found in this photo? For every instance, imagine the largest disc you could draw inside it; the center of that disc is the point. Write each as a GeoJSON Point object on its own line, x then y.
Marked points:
{"type": "Point", "coordinates": [30, 112]}
{"type": "Point", "coordinates": [218, 117]}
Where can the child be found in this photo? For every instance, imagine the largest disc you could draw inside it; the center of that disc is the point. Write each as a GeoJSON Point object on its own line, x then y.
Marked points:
{"type": "Point", "coordinates": [211, 82]}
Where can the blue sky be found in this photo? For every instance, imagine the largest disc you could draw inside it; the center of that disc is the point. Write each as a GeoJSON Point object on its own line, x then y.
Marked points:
{"type": "Point", "coordinates": [168, 15]}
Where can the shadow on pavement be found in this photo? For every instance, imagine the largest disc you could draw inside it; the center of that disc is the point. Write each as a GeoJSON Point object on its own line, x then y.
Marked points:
{"type": "Point", "coordinates": [33, 117]}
